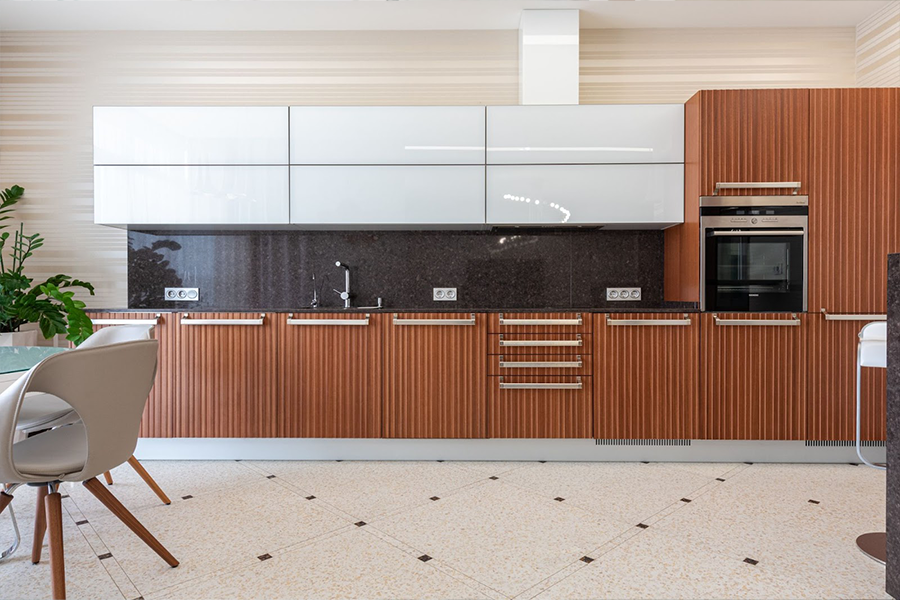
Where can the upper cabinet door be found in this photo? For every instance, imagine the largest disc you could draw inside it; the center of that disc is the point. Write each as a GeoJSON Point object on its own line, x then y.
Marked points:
{"type": "Point", "coordinates": [634, 196]}
{"type": "Point", "coordinates": [190, 135]}
{"type": "Point", "coordinates": [636, 133]}
{"type": "Point", "coordinates": [387, 135]}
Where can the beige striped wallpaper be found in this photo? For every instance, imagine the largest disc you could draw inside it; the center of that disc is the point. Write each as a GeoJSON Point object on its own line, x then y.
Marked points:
{"type": "Point", "coordinates": [50, 80]}
{"type": "Point", "coordinates": [878, 48]}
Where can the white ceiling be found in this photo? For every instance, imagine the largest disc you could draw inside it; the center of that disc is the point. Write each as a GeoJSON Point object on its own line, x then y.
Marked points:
{"type": "Point", "coordinates": [279, 15]}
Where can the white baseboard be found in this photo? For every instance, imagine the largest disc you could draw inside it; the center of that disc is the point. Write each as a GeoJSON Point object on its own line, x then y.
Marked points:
{"type": "Point", "coordinates": [496, 449]}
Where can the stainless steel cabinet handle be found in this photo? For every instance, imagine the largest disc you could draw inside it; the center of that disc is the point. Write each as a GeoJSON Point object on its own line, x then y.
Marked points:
{"type": "Point", "coordinates": [846, 317]}
{"type": "Point", "coordinates": [187, 320]}
{"type": "Point", "coordinates": [649, 322]}
{"type": "Point", "coordinates": [750, 232]}
{"type": "Point", "coordinates": [757, 185]}
{"type": "Point", "coordinates": [399, 321]}
{"type": "Point", "coordinates": [794, 322]}
{"type": "Point", "coordinates": [524, 322]}
{"type": "Point", "coordinates": [541, 386]}
{"type": "Point", "coordinates": [540, 343]}
{"type": "Point", "coordinates": [153, 321]}
{"type": "Point", "coordinates": [362, 322]}
{"type": "Point", "coordinates": [545, 364]}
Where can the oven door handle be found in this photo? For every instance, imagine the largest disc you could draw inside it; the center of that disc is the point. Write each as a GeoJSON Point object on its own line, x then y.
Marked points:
{"type": "Point", "coordinates": [759, 232]}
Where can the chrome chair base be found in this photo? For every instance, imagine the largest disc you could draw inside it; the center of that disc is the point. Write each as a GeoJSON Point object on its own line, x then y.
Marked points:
{"type": "Point", "coordinates": [873, 545]}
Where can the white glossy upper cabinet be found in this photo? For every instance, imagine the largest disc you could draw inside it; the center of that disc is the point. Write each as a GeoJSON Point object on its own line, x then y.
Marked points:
{"type": "Point", "coordinates": [387, 135]}
{"type": "Point", "coordinates": [190, 135]}
{"type": "Point", "coordinates": [585, 134]}
{"type": "Point", "coordinates": [387, 197]}
{"type": "Point", "coordinates": [615, 196]}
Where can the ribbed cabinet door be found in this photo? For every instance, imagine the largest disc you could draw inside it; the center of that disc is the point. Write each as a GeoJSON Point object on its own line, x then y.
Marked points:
{"type": "Point", "coordinates": [435, 380]}
{"type": "Point", "coordinates": [854, 204]}
{"type": "Point", "coordinates": [646, 377]}
{"type": "Point", "coordinates": [753, 378]}
{"type": "Point", "coordinates": [329, 383]}
{"type": "Point", "coordinates": [832, 384]}
{"type": "Point", "coordinates": [226, 377]}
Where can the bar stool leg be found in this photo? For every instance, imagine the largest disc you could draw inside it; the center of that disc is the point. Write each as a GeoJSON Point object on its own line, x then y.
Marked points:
{"type": "Point", "coordinates": [874, 544]}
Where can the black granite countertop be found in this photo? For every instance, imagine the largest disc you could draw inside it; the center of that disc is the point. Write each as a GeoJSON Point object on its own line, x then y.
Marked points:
{"type": "Point", "coordinates": [667, 309]}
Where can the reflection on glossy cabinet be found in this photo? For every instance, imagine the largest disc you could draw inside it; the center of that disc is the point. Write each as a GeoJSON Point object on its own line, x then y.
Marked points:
{"type": "Point", "coordinates": [226, 376]}
{"type": "Point", "coordinates": [753, 376]}
{"type": "Point", "coordinates": [159, 417]}
{"type": "Point", "coordinates": [330, 371]}
{"type": "Point", "coordinates": [831, 413]}
{"type": "Point", "coordinates": [647, 376]}
{"type": "Point", "coordinates": [435, 375]}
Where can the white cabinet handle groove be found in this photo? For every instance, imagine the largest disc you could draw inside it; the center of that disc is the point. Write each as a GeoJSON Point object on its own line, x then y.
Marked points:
{"type": "Point", "coordinates": [649, 322]}
{"type": "Point", "coordinates": [153, 321]}
{"type": "Point", "coordinates": [794, 322]}
{"type": "Point", "coordinates": [526, 364]}
{"type": "Point", "coordinates": [399, 321]}
{"type": "Point", "coordinates": [541, 386]}
{"type": "Point", "coordinates": [540, 343]}
{"type": "Point", "coordinates": [526, 322]}
{"type": "Point", "coordinates": [362, 322]}
{"type": "Point", "coordinates": [187, 320]}
{"type": "Point", "coordinates": [760, 232]}
{"type": "Point", "coordinates": [846, 317]}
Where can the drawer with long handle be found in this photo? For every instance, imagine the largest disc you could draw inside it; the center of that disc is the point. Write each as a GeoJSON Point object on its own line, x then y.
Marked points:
{"type": "Point", "coordinates": [539, 364]}
{"type": "Point", "coordinates": [120, 321]}
{"type": "Point", "coordinates": [540, 343]}
{"type": "Point", "coordinates": [187, 319]}
{"type": "Point", "coordinates": [540, 407]}
{"type": "Point", "coordinates": [539, 323]}
{"type": "Point", "coordinates": [853, 317]}
{"type": "Point", "coordinates": [328, 320]}
{"type": "Point", "coordinates": [449, 320]}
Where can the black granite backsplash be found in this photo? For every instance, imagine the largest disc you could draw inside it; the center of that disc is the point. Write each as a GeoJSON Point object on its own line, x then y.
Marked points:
{"type": "Point", "coordinates": [893, 428]}
{"type": "Point", "coordinates": [514, 269]}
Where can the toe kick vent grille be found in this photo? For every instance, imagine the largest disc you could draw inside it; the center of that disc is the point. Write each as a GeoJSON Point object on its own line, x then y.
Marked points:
{"type": "Point", "coordinates": [642, 442]}
{"type": "Point", "coordinates": [842, 444]}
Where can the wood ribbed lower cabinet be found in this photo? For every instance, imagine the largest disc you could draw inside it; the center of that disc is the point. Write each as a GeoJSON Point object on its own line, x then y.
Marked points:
{"type": "Point", "coordinates": [226, 375]}
{"type": "Point", "coordinates": [158, 419]}
{"type": "Point", "coordinates": [646, 383]}
{"type": "Point", "coordinates": [831, 397]}
{"type": "Point", "coordinates": [753, 374]}
{"type": "Point", "coordinates": [435, 375]}
{"type": "Point", "coordinates": [330, 369]}
{"type": "Point", "coordinates": [540, 406]}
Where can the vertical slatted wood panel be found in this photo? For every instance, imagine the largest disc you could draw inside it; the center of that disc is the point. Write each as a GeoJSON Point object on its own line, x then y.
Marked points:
{"type": "Point", "coordinates": [721, 152]}
{"type": "Point", "coordinates": [540, 413]}
{"type": "Point", "coordinates": [435, 378]}
{"type": "Point", "coordinates": [753, 379]}
{"type": "Point", "coordinates": [226, 378]}
{"type": "Point", "coordinates": [158, 418]}
{"type": "Point", "coordinates": [832, 384]}
{"type": "Point", "coordinates": [855, 197]}
{"type": "Point", "coordinates": [330, 377]}
{"type": "Point", "coordinates": [647, 378]}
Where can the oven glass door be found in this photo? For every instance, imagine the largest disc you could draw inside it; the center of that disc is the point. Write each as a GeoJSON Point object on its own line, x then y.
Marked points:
{"type": "Point", "coordinates": [754, 270]}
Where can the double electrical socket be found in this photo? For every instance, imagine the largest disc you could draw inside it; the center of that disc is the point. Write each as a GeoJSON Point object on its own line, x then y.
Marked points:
{"type": "Point", "coordinates": [623, 294]}
{"type": "Point", "coordinates": [444, 294]}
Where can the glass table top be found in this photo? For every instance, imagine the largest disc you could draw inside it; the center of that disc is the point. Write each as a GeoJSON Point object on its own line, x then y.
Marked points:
{"type": "Point", "coordinates": [15, 359]}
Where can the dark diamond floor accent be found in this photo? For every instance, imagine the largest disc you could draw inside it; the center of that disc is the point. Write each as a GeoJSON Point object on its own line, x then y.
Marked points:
{"type": "Point", "coordinates": [494, 477]}
{"type": "Point", "coordinates": [813, 501]}
{"type": "Point", "coordinates": [188, 497]}
{"type": "Point", "coordinates": [645, 462]}
{"type": "Point", "coordinates": [310, 497]}
{"type": "Point", "coordinates": [685, 500]}
{"type": "Point", "coordinates": [719, 479]}
{"type": "Point", "coordinates": [81, 522]}
{"type": "Point", "coordinates": [270, 477]}
{"type": "Point", "coordinates": [434, 498]}
{"type": "Point", "coordinates": [105, 556]}
{"type": "Point", "coordinates": [266, 556]}
{"type": "Point", "coordinates": [558, 499]}
{"type": "Point", "coordinates": [360, 523]}
{"type": "Point", "coordinates": [424, 558]}
{"type": "Point", "coordinates": [586, 559]}
{"type": "Point", "coordinates": [750, 561]}
{"type": "Point", "coordinates": [63, 495]}
{"type": "Point", "coordinates": [748, 463]}
{"type": "Point", "coordinates": [643, 525]}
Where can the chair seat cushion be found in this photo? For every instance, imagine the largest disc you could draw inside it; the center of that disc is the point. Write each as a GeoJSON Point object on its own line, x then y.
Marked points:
{"type": "Point", "coordinates": [53, 453]}
{"type": "Point", "coordinates": [873, 354]}
{"type": "Point", "coordinates": [43, 409]}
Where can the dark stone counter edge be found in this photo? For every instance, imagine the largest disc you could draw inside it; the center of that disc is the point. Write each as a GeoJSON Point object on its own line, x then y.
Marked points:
{"type": "Point", "coordinates": [399, 310]}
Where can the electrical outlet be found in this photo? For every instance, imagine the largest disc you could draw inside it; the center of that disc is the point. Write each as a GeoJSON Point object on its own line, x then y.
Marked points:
{"type": "Point", "coordinates": [182, 294]}
{"type": "Point", "coordinates": [444, 294]}
{"type": "Point", "coordinates": [623, 294]}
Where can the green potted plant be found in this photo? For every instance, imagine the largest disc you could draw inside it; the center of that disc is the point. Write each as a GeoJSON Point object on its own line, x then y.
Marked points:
{"type": "Point", "coordinates": [49, 303]}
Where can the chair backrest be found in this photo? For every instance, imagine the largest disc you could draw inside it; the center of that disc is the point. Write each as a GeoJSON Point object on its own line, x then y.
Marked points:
{"type": "Point", "coordinates": [116, 335]}
{"type": "Point", "coordinates": [108, 388]}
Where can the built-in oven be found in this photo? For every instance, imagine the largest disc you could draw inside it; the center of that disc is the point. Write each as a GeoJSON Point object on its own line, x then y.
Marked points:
{"type": "Point", "coordinates": [753, 253]}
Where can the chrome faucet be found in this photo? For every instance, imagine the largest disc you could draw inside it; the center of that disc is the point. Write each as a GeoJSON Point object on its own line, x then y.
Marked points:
{"type": "Point", "coordinates": [345, 295]}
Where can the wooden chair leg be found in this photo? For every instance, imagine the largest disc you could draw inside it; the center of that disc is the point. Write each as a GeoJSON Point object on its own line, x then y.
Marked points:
{"type": "Point", "coordinates": [112, 503]}
{"type": "Point", "coordinates": [108, 477]}
{"type": "Point", "coordinates": [5, 499]}
{"type": "Point", "coordinates": [148, 480]}
{"type": "Point", "coordinates": [40, 525]}
{"type": "Point", "coordinates": [53, 504]}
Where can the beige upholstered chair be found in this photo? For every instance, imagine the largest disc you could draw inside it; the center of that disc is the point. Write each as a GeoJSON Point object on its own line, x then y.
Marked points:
{"type": "Point", "coordinates": [41, 412]}
{"type": "Point", "coordinates": [107, 387]}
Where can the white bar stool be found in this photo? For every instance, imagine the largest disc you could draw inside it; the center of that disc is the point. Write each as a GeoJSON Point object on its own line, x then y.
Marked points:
{"type": "Point", "coordinates": [871, 352]}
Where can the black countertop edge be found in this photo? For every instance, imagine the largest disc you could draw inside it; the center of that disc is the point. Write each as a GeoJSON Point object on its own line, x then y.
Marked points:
{"type": "Point", "coordinates": [400, 310]}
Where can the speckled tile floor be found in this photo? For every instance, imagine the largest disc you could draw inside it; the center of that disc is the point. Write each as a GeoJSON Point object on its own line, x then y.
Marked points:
{"type": "Point", "coordinates": [282, 529]}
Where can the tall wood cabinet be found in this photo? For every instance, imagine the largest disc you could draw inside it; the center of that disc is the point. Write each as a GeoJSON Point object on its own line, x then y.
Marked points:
{"type": "Point", "coordinates": [435, 375]}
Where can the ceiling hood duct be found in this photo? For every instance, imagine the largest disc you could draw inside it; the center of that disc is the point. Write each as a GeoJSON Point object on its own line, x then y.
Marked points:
{"type": "Point", "coordinates": [548, 57]}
